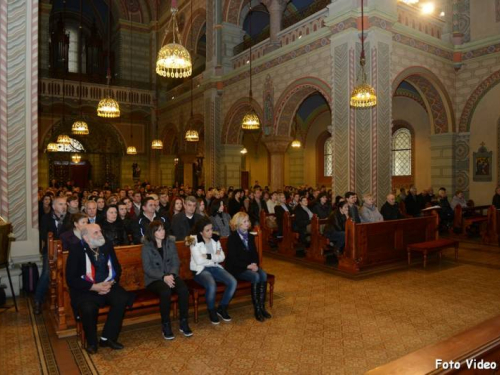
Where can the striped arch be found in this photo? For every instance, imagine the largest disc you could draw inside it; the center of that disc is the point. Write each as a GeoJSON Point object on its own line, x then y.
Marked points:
{"type": "Point", "coordinates": [474, 99]}
{"type": "Point", "coordinates": [231, 130]}
{"type": "Point", "coordinates": [292, 97]}
{"type": "Point", "coordinates": [198, 20]}
{"type": "Point", "coordinates": [433, 92]}
{"type": "Point", "coordinates": [232, 10]}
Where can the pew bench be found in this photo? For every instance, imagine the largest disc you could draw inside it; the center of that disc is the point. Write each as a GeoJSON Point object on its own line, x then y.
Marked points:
{"type": "Point", "coordinates": [132, 279]}
{"type": "Point", "coordinates": [429, 247]}
{"type": "Point", "coordinates": [464, 218]}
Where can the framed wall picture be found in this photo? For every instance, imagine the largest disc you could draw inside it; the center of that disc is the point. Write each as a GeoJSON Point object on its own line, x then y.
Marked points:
{"type": "Point", "coordinates": [482, 164]}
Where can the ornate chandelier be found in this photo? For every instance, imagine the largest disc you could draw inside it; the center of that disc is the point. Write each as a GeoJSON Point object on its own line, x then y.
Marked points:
{"type": "Point", "coordinates": [63, 139]}
{"type": "Point", "coordinates": [75, 158]}
{"type": "Point", "coordinates": [363, 95]}
{"type": "Point", "coordinates": [80, 127]}
{"type": "Point", "coordinates": [157, 144]}
{"type": "Point", "coordinates": [192, 136]}
{"type": "Point", "coordinates": [52, 147]}
{"type": "Point", "coordinates": [108, 107]}
{"type": "Point", "coordinates": [131, 150]}
{"type": "Point", "coordinates": [174, 60]}
{"type": "Point", "coordinates": [296, 143]}
{"type": "Point", "coordinates": [244, 151]}
{"type": "Point", "coordinates": [250, 120]}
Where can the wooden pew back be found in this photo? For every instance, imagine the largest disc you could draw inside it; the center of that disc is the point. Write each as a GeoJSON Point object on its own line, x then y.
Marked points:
{"type": "Point", "coordinates": [491, 235]}
{"type": "Point", "coordinates": [374, 244]}
{"type": "Point", "coordinates": [290, 238]}
{"type": "Point", "coordinates": [318, 241]}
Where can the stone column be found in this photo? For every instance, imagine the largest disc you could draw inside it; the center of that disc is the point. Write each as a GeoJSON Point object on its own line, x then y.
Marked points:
{"type": "Point", "coordinates": [229, 162]}
{"type": "Point", "coordinates": [277, 146]}
{"type": "Point", "coordinates": [232, 35]}
{"type": "Point", "coordinates": [166, 172]}
{"type": "Point", "coordinates": [45, 9]}
{"type": "Point", "coordinates": [361, 137]}
{"type": "Point", "coordinates": [296, 166]}
{"type": "Point", "coordinates": [188, 160]}
{"type": "Point", "coordinates": [19, 128]}
{"type": "Point", "coordinates": [212, 104]}
{"type": "Point", "coordinates": [443, 164]}
{"type": "Point", "coordinates": [276, 9]}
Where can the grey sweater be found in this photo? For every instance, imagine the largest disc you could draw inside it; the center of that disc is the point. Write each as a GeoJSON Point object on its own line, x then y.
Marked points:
{"type": "Point", "coordinates": [155, 268]}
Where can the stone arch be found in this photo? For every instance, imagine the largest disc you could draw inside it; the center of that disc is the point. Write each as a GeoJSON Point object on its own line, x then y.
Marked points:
{"type": "Point", "coordinates": [474, 99]}
{"type": "Point", "coordinates": [435, 95]}
{"type": "Point", "coordinates": [231, 130]}
{"type": "Point", "coordinates": [293, 96]}
{"type": "Point", "coordinates": [198, 20]}
{"type": "Point", "coordinates": [137, 10]}
{"type": "Point", "coordinates": [170, 137]}
{"type": "Point", "coordinates": [232, 10]}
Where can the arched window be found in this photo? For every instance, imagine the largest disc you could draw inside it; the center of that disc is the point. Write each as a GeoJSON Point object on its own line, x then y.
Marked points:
{"type": "Point", "coordinates": [327, 158]}
{"type": "Point", "coordinates": [402, 152]}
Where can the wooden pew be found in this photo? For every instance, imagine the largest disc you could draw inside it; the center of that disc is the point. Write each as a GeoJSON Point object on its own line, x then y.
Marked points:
{"type": "Point", "coordinates": [370, 245]}
{"type": "Point", "coordinates": [491, 235]}
{"type": "Point", "coordinates": [465, 217]}
{"type": "Point", "coordinates": [481, 342]}
{"type": "Point", "coordinates": [290, 238]}
{"type": "Point", "coordinates": [315, 253]}
{"type": "Point", "coordinates": [267, 232]}
{"type": "Point", "coordinates": [52, 254]}
{"type": "Point", "coordinates": [132, 279]}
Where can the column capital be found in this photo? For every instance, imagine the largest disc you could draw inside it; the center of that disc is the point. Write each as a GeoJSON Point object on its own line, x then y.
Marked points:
{"type": "Point", "coordinates": [277, 144]}
{"type": "Point", "coordinates": [275, 4]}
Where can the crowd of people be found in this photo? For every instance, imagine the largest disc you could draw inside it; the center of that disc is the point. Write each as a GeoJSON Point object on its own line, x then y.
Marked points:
{"type": "Point", "coordinates": [90, 223]}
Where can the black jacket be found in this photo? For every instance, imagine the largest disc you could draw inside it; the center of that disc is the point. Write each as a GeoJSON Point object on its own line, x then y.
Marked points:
{"type": "Point", "coordinates": [155, 267]}
{"type": "Point", "coordinates": [413, 205]}
{"type": "Point", "coordinates": [233, 207]}
{"type": "Point", "coordinates": [301, 220]}
{"type": "Point", "coordinates": [280, 212]}
{"type": "Point", "coordinates": [141, 224]}
{"type": "Point", "coordinates": [336, 222]}
{"type": "Point", "coordinates": [391, 212]}
{"type": "Point", "coordinates": [48, 224]}
{"type": "Point", "coordinates": [496, 201]}
{"type": "Point", "coordinates": [237, 255]}
{"type": "Point", "coordinates": [115, 232]}
{"type": "Point", "coordinates": [180, 227]}
{"type": "Point", "coordinates": [254, 211]}
{"type": "Point", "coordinates": [354, 213]}
{"type": "Point", "coordinates": [76, 269]}
{"type": "Point", "coordinates": [322, 210]}
{"type": "Point", "coordinates": [69, 239]}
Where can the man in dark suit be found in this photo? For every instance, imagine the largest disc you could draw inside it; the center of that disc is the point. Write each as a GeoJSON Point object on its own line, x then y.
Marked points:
{"type": "Point", "coordinates": [93, 274]}
{"type": "Point", "coordinates": [136, 204]}
{"type": "Point", "coordinates": [148, 214]}
{"type": "Point", "coordinates": [413, 203]}
{"type": "Point", "coordinates": [256, 205]}
{"type": "Point", "coordinates": [184, 221]}
{"type": "Point", "coordinates": [57, 222]}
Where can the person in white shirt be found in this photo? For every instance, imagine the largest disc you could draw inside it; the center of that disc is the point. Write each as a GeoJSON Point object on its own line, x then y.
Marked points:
{"type": "Point", "coordinates": [206, 256]}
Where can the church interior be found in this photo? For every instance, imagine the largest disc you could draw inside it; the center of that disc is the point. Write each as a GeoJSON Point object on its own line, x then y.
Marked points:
{"type": "Point", "coordinates": [353, 136]}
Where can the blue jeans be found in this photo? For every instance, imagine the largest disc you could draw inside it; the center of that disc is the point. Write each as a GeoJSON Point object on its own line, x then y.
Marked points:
{"type": "Point", "coordinates": [43, 280]}
{"type": "Point", "coordinates": [208, 278]}
{"type": "Point", "coordinates": [254, 277]}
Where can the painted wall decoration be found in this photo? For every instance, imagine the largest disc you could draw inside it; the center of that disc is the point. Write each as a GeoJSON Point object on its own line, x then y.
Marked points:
{"type": "Point", "coordinates": [268, 106]}
{"type": "Point", "coordinates": [497, 10]}
{"type": "Point", "coordinates": [482, 164]}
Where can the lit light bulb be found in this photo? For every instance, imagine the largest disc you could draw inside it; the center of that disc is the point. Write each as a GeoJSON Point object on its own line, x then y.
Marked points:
{"type": "Point", "coordinates": [428, 8]}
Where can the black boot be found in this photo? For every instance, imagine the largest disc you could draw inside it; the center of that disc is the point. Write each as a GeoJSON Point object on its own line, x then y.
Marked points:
{"type": "Point", "coordinates": [262, 300]}
{"type": "Point", "coordinates": [184, 327]}
{"type": "Point", "coordinates": [167, 331]}
{"type": "Point", "coordinates": [256, 302]}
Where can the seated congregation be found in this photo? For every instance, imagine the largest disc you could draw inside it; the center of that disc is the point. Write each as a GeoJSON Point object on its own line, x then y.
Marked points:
{"type": "Point", "coordinates": [187, 244]}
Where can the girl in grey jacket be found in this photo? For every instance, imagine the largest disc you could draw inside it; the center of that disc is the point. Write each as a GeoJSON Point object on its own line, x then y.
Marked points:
{"type": "Point", "coordinates": [161, 276]}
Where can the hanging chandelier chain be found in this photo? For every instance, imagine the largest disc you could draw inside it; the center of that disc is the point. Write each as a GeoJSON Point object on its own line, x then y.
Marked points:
{"type": "Point", "coordinates": [80, 56]}
{"type": "Point", "coordinates": [130, 75]}
{"type": "Point", "coordinates": [250, 51]}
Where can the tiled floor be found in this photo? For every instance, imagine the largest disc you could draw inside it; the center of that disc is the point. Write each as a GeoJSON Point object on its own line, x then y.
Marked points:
{"type": "Point", "coordinates": [322, 323]}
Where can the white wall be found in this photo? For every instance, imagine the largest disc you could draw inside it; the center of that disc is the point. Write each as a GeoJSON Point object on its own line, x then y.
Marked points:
{"type": "Point", "coordinates": [484, 129]}
{"type": "Point", "coordinates": [409, 110]}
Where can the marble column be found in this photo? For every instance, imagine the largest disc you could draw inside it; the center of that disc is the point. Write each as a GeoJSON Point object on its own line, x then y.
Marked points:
{"type": "Point", "coordinates": [19, 127]}
{"type": "Point", "coordinates": [275, 9]}
{"type": "Point", "coordinates": [277, 146]}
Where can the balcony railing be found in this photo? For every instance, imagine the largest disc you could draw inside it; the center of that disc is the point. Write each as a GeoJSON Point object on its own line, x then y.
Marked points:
{"type": "Point", "coordinates": [287, 21]}
{"type": "Point", "coordinates": [93, 92]}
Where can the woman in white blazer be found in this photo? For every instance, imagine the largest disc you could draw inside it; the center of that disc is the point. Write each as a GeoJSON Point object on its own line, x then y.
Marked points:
{"type": "Point", "coordinates": [206, 256]}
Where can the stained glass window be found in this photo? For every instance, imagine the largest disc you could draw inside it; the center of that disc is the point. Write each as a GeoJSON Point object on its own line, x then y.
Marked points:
{"type": "Point", "coordinates": [401, 152]}
{"type": "Point", "coordinates": [327, 158]}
